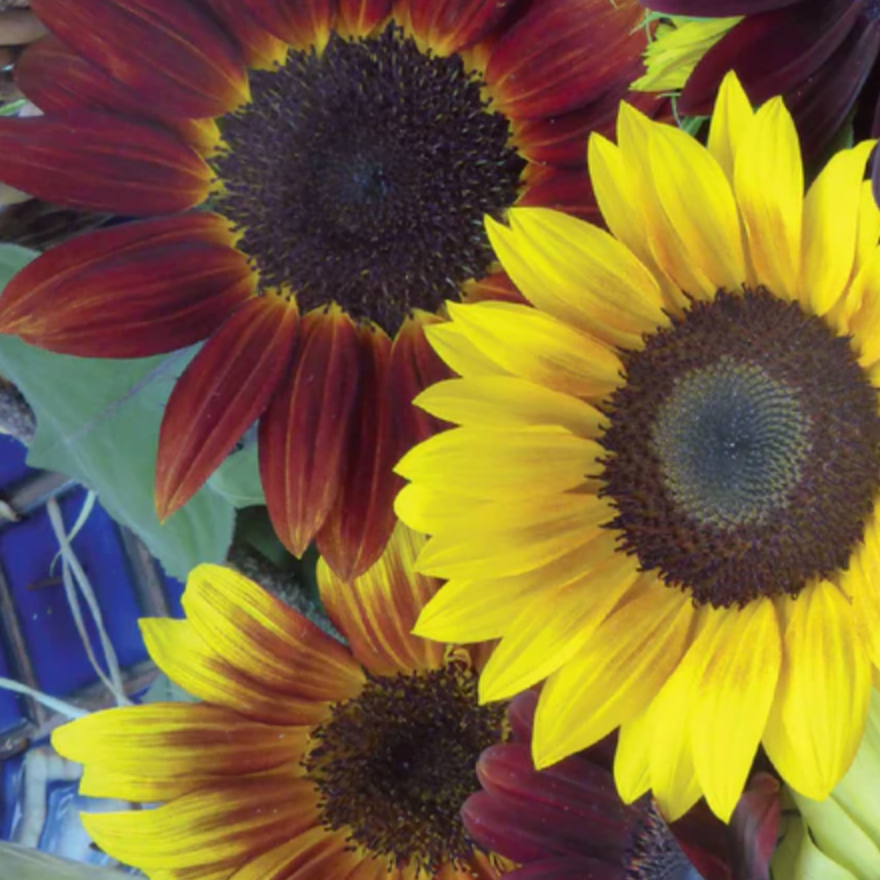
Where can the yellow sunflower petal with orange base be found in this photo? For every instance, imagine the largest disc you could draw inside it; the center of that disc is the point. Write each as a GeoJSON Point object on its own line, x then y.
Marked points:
{"type": "Point", "coordinates": [314, 853]}
{"type": "Point", "coordinates": [821, 704]}
{"type": "Point", "coordinates": [615, 675]}
{"type": "Point", "coordinates": [262, 637]}
{"type": "Point", "coordinates": [377, 611]}
{"type": "Point", "coordinates": [222, 826]}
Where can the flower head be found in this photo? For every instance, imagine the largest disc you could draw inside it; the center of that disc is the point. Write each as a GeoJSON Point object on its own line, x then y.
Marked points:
{"type": "Point", "coordinates": [662, 492]}
{"type": "Point", "coordinates": [311, 179]}
{"type": "Point", "coordinates": [304, 758]}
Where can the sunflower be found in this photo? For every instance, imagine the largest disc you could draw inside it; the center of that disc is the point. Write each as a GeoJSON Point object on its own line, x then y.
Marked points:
{"type": "Point", "coordinates": [306, 216]}
{"type": "Point", "coordinates": [304, 758]}
{"type": "Point", "coordinates": [662, 492]}
{"type": "Point", "coordinates": [567, 823]}
{"type": "Point", "coordinates": [820, 55]}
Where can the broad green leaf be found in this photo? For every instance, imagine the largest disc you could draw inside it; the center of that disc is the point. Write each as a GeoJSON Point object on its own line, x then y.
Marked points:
{"type": "Point", "coordinates": [28, 864]}
{"type": "Point", "coordinates": [98, 422]}
{"type": "Point", "coordinates": [238, 479]}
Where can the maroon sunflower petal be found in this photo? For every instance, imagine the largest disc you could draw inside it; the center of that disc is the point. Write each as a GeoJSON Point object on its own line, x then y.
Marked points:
{"type": "Point", "coordinates": [772, 53]}
{"type": "Point", "coordinates": [496, 286]}
{"type": "Point", "coordinates": [358, 528]}
{"type": "Point", "coordinates": [577, 868]}
{"type": "Point", "coordinates": [259, 47]}
{"type": "Point", "coordinates": [56, 79]}
{"type": "Point", "coordinates": [100, 162]}
{"type": "Point", "coordinates": [755, 827]}
{"type": "Point", "coordinates": [521, 715]}
{"type": "Point", "coordinates": [717, 8]}
{"type": "Point", "coordinates": [220, 395]}
{"type": "Point", "coordinates": [449, 26]}
{"type": "Point", "coordinates": [302, 23]}
{"type": "Point", "coordinates": [134, 290]}
{"type": "Point", "coordinates": [562, 55]}
{"type": "Point", "coordinates": [563, 189]}
{"type": "Point", "coordinates": [359, 17]}
{"type": "Point", "coordinates": [173, 56]}
{"type": "Point", "coordinates": [305, 436]}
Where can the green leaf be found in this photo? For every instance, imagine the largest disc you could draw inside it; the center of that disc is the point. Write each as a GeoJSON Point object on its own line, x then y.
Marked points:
{"type": "Point", "coordinates": [28, 864]}
{"type": "Point", "coordinates": [238, 479]}
{"type": "Point", "coordinates": [98, 422]}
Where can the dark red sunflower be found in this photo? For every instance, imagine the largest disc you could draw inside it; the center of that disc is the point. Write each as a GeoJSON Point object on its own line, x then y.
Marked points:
{"type": "Point", "coordinates": [820, 55]}
{"type": "Point", "coordinates": [304, 217]}
{"type": "Point", "coordinates": [567, 822]}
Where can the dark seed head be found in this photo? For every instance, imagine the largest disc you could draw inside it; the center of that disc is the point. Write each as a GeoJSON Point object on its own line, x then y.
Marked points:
{"type": "Point", "coordinates": [394, 765]}
{"type": "Point", "coordinates": [744, 450]}
{"type": "Point", "coordinates": [362, 175]}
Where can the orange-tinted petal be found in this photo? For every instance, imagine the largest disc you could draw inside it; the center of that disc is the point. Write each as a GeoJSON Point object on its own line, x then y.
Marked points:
{"type": "Point", "coordinates": [302, 23]}
{"type": "Point", "coordinates": [220, 395]}
{"type": "Point", "coordinates": [259, 48]}
{"type": "Point", "coordinates": [305, 435]}
{"type": "Point", "coordinates": [563, 54]}
{"type": "Point", "coordinates": [448, 26]}
{"type": "Point", "coordinates": [358, 17]}
{"type": "Point", "coordinates": [56, 79]}
{"type": "Point", "coordinates": [133, 290]}
{"type": "Point", "coordinates": [377, 611]}
{"type": "Point", "coordinates": [262, 637]}
{"type": "Point", "coordinates": [563, 189]}
{"type": "Point", "coordinates": [189, 661]}
{"type": "Point", "coordinates": [99, 162]}
{"type": "Point", "coordinates": [316, 854]}
{"type": "Point", "coordinates": [494, 286]}
{"type": "Point", "coordinates": [171, 55]}
{"type": "Point", "coordinates": [358, 528]}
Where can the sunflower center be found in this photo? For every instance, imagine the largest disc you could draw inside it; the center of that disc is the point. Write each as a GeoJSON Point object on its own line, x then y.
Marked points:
{"type": "Point", "coordinates": [744, 450]}
{"type": "Point", "coordinates": [395, 764]}
{"type": "Point", "coordinates": [362, 175]}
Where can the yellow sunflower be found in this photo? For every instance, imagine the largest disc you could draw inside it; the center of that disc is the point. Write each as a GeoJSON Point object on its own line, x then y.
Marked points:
{"type": "Point", "coordinates": [305, 759]}
{"type": "Point", "coordinates": [661, 496]}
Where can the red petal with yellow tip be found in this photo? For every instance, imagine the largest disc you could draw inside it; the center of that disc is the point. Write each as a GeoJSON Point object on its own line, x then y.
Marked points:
{"type": "Point", "coordinates": [563, 189]}
{"type": "Point", "coordinates": [359, 17]}
{"type": "Point", "coordinates": [413, 367]}
{"type": "Point", "coordinates": [99, 162]}
{"type": "Point", "coordinates": [134, 290]}
{"type": "Point", "coordinates": [173, 56]}
{"type": "Point", "coordinates": [259, 47]}
{"type": "Point", "coordinates": [564, 54]}
{"type": "Point", "coordinates": [454, 25]}
{"type": "Point", "coordinates": [305, 435]}
{"type": "Point", "coordinates": [360, 524]}
{"type": "Point", "coordinates": [496, 286]}
{"type": "Point", "coordinates": [302, 23]}
{"type": "Point", "coordinates": [220, 395]}
{"type": "Point", "coordinates": [56, 79]}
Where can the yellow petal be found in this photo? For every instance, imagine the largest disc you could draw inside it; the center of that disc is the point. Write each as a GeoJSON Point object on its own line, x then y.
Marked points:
{"type": "Point", "coordinates": [769, 183]}
{"type": "Point", "coordinates": [632, 759]}
{"type": "Point", "coordinates": [818, 717]}
{"type": "Point", "coordinates": [624, 664]}
{"type": "Point", "coordinates": [317, 852]}
{"type": "Point", "coordinates": [732, 701]}
{"type": "Point", "coordinates": [466, 610]}
{"type": "Point", "coordinates": [869, 224]}
{"type": "Point", "coordinates": [861, 581]}
{"type": "Point", "coordinates": [488, 464]}
{"type": "Point", "coordinates": [507, 539]}
{"type": "Point", "coordinates": [864, 296]}
{"type": "Point", "coordinates": [453, 346]}
{"type": "Point", "coordinates": [179, 651]}
{"type": "Point", "coordinates": [731, 120]}
{"type": "Point", "coordinates": [209, 829]}
{"type": "Point", "coordinates": [504, 402]}
{"type": "Point", "coordinates": [431, 510]}
{"type": "Point", "coordinates": [831, 221]}
{"type": "Point", "coordinates": [580, 274]}
{"type": "Point", "coordinates": [554, 627]}
{"type": "Point", "coordinates": [259, 635]}
{"type": "Point", "coordinates": [538, 347]}
{"type": "Point", "coordinates": [698, 201]}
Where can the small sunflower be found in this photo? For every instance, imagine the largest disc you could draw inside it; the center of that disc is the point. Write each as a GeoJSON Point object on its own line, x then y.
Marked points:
{"type": "Point", "coordinates": [306, 216]}
{"type": "Point", "coordinates": [662, 494]}
{"type": "Point", "coordinates": [305, 758]}
{"type": "Point", "coordinates": [821, 56]}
